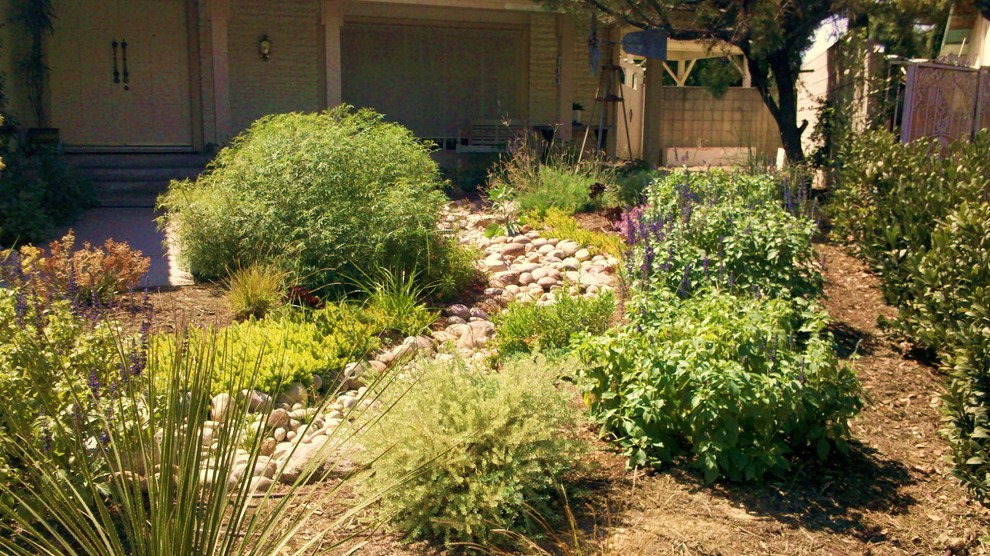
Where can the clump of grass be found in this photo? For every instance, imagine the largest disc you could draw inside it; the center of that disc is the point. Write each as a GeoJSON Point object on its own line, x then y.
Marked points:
{"type": "Point", "coordinates": [130, 467]}
{"type": "Point", "coordinates": [256, 290]}
{"type": "Point", "coordinates": [395, 300]}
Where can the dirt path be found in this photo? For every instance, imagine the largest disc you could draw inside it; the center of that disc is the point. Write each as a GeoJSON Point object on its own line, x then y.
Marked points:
{"type": "Point", "coordinates": [892, 495]}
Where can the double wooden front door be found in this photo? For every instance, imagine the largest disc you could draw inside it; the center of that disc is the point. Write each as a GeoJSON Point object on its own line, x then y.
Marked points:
{"type": "Point", "coordinates": [120, 73]}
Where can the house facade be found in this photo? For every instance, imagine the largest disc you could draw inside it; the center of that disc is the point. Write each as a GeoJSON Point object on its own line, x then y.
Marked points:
{"type": "Point", "coordinates": [186, 74]}
{"type": "Point", "coordinates": [163, 76]}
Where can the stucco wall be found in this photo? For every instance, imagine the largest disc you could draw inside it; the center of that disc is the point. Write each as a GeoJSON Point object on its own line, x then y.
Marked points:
{"type": "Point", "coordinates": [692, 117]}
{"type": "Point", "coordinates": [291, 80]}
{"type": "Point", "coordinates": [542, 69]}
{"type": "Point", "coordinates": [813, 88]}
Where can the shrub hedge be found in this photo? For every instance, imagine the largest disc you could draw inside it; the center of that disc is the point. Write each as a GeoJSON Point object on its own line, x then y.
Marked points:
{"type": "Point", "coordinates": [919, 214]}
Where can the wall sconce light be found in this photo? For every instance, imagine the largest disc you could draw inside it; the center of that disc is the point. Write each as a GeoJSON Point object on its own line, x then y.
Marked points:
{"type": "Point", "coordinates": [265, 48]}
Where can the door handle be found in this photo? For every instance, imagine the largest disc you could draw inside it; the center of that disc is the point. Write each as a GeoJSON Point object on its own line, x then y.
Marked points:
{"type": "Point", "coordinates": [116, 73]}
{"type": "Point", "coordinates": [127, 76]}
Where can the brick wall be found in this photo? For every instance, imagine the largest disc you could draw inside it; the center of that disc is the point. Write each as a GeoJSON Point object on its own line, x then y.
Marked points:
{"type": "Point", "coordinates": [542, 69]}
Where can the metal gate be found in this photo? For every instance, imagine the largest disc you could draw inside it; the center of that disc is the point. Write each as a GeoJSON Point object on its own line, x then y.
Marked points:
{"type": "Point", "coordinates": [945, 102]}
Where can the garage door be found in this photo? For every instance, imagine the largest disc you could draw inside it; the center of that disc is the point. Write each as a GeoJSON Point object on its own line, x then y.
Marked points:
{"type": "Point", "coordinates": [435, 79]}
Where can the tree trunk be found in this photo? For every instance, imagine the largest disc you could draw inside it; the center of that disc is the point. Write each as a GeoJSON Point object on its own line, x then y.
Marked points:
{"type": "Point", "coordinates": [784, 107]}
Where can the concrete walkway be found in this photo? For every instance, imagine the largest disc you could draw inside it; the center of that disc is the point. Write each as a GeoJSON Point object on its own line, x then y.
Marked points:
{"type": "Point", "coordinates": [136, 226]}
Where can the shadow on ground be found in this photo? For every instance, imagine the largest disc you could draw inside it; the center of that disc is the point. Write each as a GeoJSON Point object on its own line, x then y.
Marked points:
{"type": "Point", "coordinates": [831, 496]}
{"type": "Point", "coordinates": [851, 341]}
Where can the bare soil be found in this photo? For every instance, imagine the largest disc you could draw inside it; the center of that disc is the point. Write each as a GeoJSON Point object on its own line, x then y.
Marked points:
{"type": "Point", "coordinates": [893, 494]}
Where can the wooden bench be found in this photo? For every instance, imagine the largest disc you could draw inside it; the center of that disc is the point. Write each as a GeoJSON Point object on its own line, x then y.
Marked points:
{"type": "Point", "coordinates": [489, 136]}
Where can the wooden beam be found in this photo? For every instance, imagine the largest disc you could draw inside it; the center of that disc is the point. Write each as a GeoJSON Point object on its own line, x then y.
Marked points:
{"type": "Point", "coordinates": [219, 15]}
{"type": "Point", "coordinates": [333, 19]}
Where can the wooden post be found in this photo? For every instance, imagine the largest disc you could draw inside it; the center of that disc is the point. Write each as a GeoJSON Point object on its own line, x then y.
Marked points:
{"type": "Point", "coordinates": [652, 113]}
{"type": "Point", "coordinates": [219, 14]}
{"type": "Point", "coordinates": [333, 19]}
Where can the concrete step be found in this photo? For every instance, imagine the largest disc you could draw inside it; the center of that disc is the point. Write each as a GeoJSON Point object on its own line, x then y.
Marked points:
{"type": "Point", "coordinates": [134, 179]}
{"type": "Point", "coordinates": [137, 160]}
{"type": "Point", "coordinates": [108, 175]}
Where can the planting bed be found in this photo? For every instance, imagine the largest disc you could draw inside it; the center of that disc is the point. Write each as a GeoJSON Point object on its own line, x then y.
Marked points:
{"type": "Point", "coordinates": [892, 495]}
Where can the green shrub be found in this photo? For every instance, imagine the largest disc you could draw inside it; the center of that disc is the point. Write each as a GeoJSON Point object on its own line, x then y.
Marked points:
{"type": "Point", "coordinates": [725, 360]}
{"type": "Point", "coordinates": [890, 196]}
{"type": "Point", "coordinates": [486, 449]}
{"type": "Point", "coordinates": [526, 327]}
{"type": "Point", "coordinates": [256, 290]}
{"type": "Point", "coordinates": [712, 228]}
{"type": "Point", "coordinates": [738, 384]}
{"type": "Point", "coordinates": [919, 214]}
{"type": "Point", "coordinates": [327, 195]}
{"type": "Point", "coordinates": [949, 312]}
{"type": "Point", "coordinates": [37, 195]}
{"type": "Point", "coordinates": [557, 179]}
{"type": "Point", "coordinates": [286, 349]}
{"type": "Point", "coordinates": [562, 188]}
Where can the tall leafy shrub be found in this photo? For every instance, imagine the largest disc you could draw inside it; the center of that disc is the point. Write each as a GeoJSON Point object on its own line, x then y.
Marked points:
{"type": "Point", "coordinates": [919, 214]}
{"type": "Point", "coordinates": [725, 360]}
{"type": "Point", "coordinates": [328, 194]}
{"type": "Point", "coordinates": [890, 196]}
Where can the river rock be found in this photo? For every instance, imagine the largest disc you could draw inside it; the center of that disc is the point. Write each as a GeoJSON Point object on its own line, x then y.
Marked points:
{"type": "Point", "coordinates": [512, 250]}
{"type": "Point", "coordinates": [256, 400]}
{"type": "Point", "coordinates": [568, 247]}
{"type": "Point", "coordinates": [460, 311]}
{"type": "Point", "coordinates": [268, 446]}
{"type": "Point", "coordinates": [219, 407]}
{"type": "Point", "coordinates": [278, 419]}
{"type": "Point", "coordinates": [506, 278]}
{"type": "Point", "coordinates": [293, 394]}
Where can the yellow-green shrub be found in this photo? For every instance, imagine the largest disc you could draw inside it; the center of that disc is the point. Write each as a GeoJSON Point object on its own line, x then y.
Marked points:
{"type": "Point", "coordinates": [281, 350]}
{"type": "Point", "coordinates": [557, 223]}
{"type": "Point", "coordinates": [490, 447]}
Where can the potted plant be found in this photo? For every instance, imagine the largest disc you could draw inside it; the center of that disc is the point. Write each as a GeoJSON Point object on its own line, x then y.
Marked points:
{"type": "Point", "coordinates": [577, 108]}
{"type": "Point", "coordinates": [36, 18]}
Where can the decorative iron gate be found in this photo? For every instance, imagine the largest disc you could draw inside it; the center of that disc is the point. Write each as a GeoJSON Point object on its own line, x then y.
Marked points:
{"type": "Point", "coordinates": [945, 102]}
